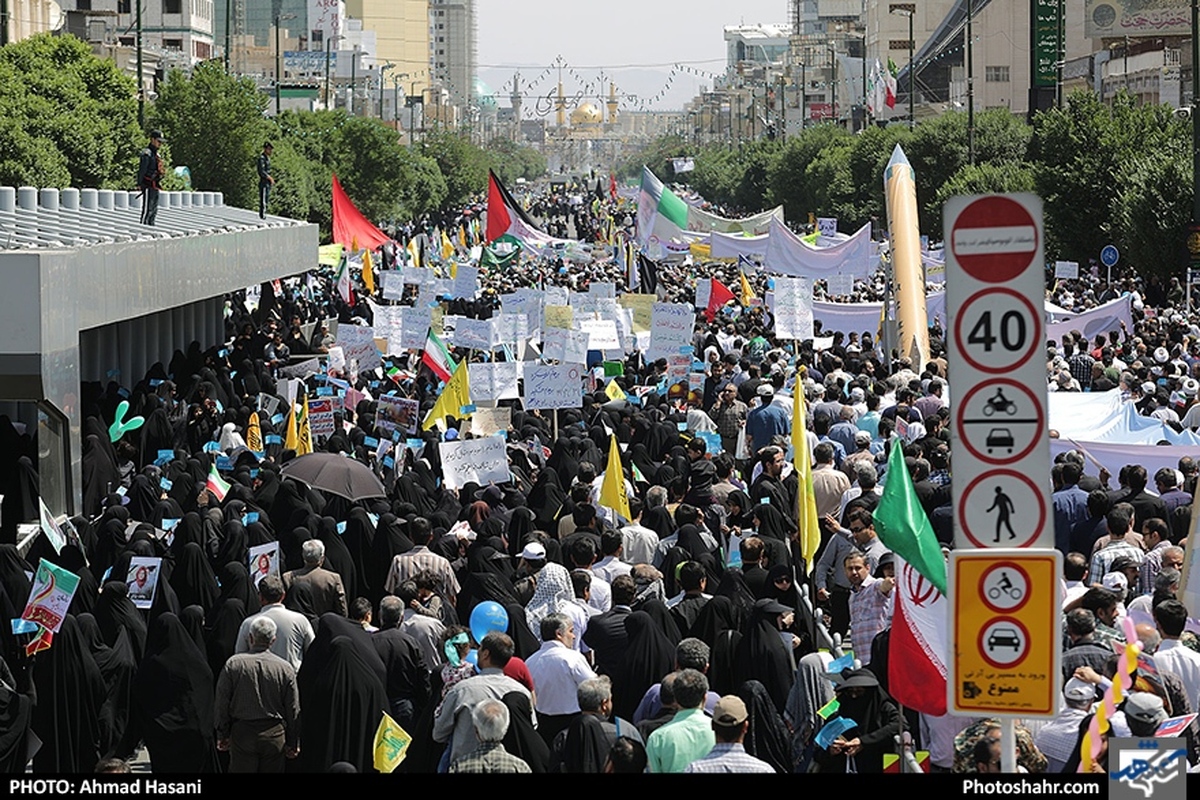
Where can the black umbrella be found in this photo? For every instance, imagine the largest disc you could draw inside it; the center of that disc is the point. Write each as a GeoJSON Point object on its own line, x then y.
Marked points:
{"type": "Point", "coordinates": [335, 474]}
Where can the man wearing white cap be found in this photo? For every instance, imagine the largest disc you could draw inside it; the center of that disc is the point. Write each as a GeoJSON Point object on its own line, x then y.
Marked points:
{"type": "Point", "coordinates": [1058, 737]}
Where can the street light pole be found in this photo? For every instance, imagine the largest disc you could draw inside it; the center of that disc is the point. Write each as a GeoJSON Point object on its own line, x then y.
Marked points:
{"type": "Point", "coordinates": [140, 78]}
{"type": "Point", "coordinates": [383, 71]}
{"type": "Point", "coordinates": [970, 86]}
{"type": "Point", "coordinates": [910, 10]}
{"type": "Point", "coordinates": [328, 42]}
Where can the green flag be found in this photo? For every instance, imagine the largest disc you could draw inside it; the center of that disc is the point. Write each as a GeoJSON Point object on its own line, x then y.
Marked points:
{"type": "Point", "coordinates": [902, 525]}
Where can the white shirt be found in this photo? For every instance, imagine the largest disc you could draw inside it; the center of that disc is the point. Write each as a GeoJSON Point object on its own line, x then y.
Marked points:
{"type": "Point", "coordinates": [557, 671]}
{"type": "Point", "coordinates": [601, 596]}
{"type": "Point", "coordinates": [638, 544]}
{"type": "Point", "coordinates": [427, 633]}
{"type": "Point", "coordinates": [609, 567]}
{"type": "Point", "coordinates": [293, 633]}
{"type": "Point", "coordinates": [579, 612]}
{"type": "Point", "coordinates": [1171, 656]}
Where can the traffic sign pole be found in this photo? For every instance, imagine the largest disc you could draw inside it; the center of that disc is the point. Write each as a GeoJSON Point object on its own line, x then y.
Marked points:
{"type": "Point", "coordinates": [995, 285]}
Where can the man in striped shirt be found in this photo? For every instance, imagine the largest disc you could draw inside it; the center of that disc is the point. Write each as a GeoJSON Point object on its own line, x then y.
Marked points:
{"type": "Point", "coordinates": [421, 559]}
{"type": "Point", "coordinates": [729, 724]}
{"type": "Point", "coordinates": [870, 605]}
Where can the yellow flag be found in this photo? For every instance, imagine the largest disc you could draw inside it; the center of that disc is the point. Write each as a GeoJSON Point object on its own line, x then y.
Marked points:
{"type": "Point", "coordinates": [304, 443]}
{"type": "Point", "coordinates": [612, 491]}
{"type": "Point", "coordinates": [462, 237]}
{"type": "Point", "coordinates": [809, 522]}
{"type": "Point", "coordinates": [368, 272]}
{"type": "Point", "coordinates": [614, 391]}
{"type": "Point", "coordinates": [748, 297]}
{"type": "Point", "coordinates": [455, 396]}
{"type": "Point", "coordinates": [391, 744]}
{"type": "Point", "coordinates": [254, 434]}
{"type": "Point", "coordinates": [447, 245]}
{"type": "Point", "coordinates": [415, 252]}
{"type": "Point", "coordinates": [291, 439]}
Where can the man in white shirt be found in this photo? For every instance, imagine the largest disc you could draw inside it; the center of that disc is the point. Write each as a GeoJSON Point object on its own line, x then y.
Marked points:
{"type": "Point", "coordinates": [638, 543]}
{"type": "Point", "coordinates": [611, 565]}
{"type": "Point", "coordinates": [557, 670]}
{"type": "Point", "coordinates": [1059, 736]}
{"type": "Point", "coordinates": [579, 609]}
{"type": "Point", "coordinates": [1171, 617]}
{"type": "Point", "coordinates": [294, 633]}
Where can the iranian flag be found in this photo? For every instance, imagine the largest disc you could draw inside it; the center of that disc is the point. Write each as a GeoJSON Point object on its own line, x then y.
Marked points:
{"type": "Point", "coordinates": [216, 484]}
{"type": "Point", "coordinates": [918, 649]}
{"type": "Point", "coordinates": [890, 82]}
{"type": "Point", "coordinates": [344, 287]}
{"type": "Point", "coordinates": [662, 218]}
{"type": "Point", "coordinates": [437, 357]}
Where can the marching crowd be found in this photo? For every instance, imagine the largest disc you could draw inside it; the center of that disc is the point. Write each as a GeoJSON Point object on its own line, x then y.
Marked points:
{"type": "Point", "coordinates": [526, 626]}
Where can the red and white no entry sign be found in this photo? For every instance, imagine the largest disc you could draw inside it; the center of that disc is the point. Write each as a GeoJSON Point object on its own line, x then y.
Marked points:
{"type": "Point", "coordinates": [994, 239]}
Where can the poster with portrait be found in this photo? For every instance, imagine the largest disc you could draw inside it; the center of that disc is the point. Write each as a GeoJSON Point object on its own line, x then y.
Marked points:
{"type": "Point", "coordinates": [142, 579]}
{"type": "Point", "coordinates": [263, 561]}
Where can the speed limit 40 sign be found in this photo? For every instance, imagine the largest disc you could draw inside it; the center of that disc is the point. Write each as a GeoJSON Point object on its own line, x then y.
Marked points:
{"type": "Point", "coordinates": [995, 289]}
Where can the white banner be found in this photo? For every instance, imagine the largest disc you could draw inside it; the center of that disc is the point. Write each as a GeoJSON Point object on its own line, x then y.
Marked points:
{"type": "Point", "coordinates": [552, 385]}
{"type": "Point", "coordinates": [1097, 322]}
{"type": "Point", "coordinates": [481, 461]}
{"type": "Point", "coordinates": [788, 255]}
{"type": "Point", "coordinates": [494, 381]}
{"type": "Point", "coordinates": [732, 245]}
{"type": "Point", "coordinates": [671, 327]}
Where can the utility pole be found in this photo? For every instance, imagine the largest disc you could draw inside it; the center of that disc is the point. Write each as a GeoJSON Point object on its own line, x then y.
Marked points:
{"type": "Point", "coordinates": [970, 85]}
{"type": "Point", "coordinates": [228, 30]}
{"type": "Point", "coordinates": [383, 71]}
{"type": "Point", "coordinates": [1193, 238]}
{"type": "Point", "coordinates": [140, 79]}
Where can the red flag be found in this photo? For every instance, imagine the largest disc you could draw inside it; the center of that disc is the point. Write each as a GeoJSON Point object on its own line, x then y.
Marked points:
{"type": "Point", "coordinates": [717, 298]}
{"type": "Point", "coordinates": [612, 187]}
{"type": "Point", "coordinates": [350, 228]}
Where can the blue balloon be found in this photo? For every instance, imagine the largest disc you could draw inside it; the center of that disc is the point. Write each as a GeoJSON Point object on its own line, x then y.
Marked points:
{"type": "Point", "coordinates": [487, 617]}
{"type": "Point", "coordinates": [472, 658]}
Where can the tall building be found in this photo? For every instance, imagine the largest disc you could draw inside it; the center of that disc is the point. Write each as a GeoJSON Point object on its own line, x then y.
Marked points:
{"type": "Point", "coordinates": [401, 37]}
{"type": "Point", "coordinates": [179, 28]}
{"type": "Point", "coordinates": [257, 19]}
{"type": "Point", "coordinates": [452, 48]}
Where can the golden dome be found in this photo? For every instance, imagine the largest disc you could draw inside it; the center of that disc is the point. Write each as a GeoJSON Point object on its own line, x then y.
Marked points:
{"type": "Point", "coordinates": [587, 114]}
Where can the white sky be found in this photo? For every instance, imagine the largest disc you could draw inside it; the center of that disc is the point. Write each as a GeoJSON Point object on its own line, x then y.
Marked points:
{"type": "Point", "coordinates": [636, 41]}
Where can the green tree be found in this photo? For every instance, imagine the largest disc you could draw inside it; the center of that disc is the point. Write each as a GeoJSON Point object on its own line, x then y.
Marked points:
{"type": "Point", "coordinates": [214, 124]}
{"type": "Point", "coordinates": [657, 156]}
{"type": "Point", "coordinates": [463, 165]}
{"type": "Point", "coordinates": [512, 161]}
{"type": "Point", "coordinates": [1079, 152]}
{"type": "Point", "coordinates": [1153, 208]}
{"type": "Point", "coordinates": [982, 179]}
{"type": "Point", "coordinates": [788, 180]}
{"type": "Point", "coordinates": [67, 117]}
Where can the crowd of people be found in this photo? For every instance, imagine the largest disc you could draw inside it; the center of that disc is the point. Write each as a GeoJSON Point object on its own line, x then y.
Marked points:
{"type": "Point", "coordinates": [689, 636]}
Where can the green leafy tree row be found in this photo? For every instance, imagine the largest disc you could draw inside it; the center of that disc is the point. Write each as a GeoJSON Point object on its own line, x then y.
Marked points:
{"type": "Point", "coordinates": [1118, 172]}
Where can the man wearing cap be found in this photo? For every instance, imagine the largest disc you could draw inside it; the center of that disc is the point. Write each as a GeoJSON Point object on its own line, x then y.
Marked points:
{"type": "Point", "coordinates": [730, 723]}
{"type": "Point", "coordinates": [765, 421]}
{"type": "Point", "coordinates": [150, 175]}
{"type": "Point", "coordinates": [1058, 737]}
{"type": "Point", "coordinates": [1144, 712]}
{"type": "Point", "coordinates": [265, 180]}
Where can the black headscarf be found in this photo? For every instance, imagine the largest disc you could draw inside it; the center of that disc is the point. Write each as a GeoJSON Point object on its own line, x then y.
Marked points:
{"type": "Point", "coordinates": [70, 693]}
{"type": "Point", "coordinates": [341, 705]}
{"type": "Point", "coordinates": [522, 740]}
{"type": "Point", "coordinates": [586, 745]}
{"type": "Point", "coordinates": [16, 715]}
{"type": "Point", "coordinates": [222, 639]}
{"type": "Point", "coordinates": [767, 738]}
{"type": "Point", "coordinates": [173, 707]}
{"type": "Point", "coordinates": [648, 656]}
{"type": "Point", "coordinates": [115, 612]}
{"type": "Point", "coordinates": [761, 655]}
{"type": "Point", "coordinates": [193, 579]}
{"type": "Point", "coordinates": [118, 668]}
{"type": "Point", "coordinates": [337, 556]}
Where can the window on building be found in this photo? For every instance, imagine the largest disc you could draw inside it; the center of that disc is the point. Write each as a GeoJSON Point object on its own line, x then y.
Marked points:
{"type": "Point", "coordinates": [126, 41]}
{"type": "Point", "coordinates": [172, 44]}
{"type": "Point", "coordinates": [123, 6]}
{"type": "Point", "coordinates": [172, 7]}
{"type": "Point", "coordinates": [996, 74]}
{"type": "Point", "coordinates": [203, 50]}
{"type": "Point", "coordinates": [83, 5]}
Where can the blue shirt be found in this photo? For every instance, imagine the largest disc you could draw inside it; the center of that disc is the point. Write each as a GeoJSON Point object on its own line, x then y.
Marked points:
{"type": "Point", "coordinates": [766, 422]}
{"type": "Point", "coordinates": [1070, 508]}
{"type": "Point", "coordinates": [681, 741]}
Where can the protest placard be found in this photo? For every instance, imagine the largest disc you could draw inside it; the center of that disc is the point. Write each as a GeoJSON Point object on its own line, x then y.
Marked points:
{"type": "Point", "coordinates": [489, 421]}
{"type": "Point", "coordinates": [556, 296]}
{"type": "Point", "coordinates": [555, 316]}
{"type": "Point", "coordinates": [474, 334]}
{"type": "Point", "coordinates": [142, 579]}
{"type": "Point", "coordinates": [839, 284]}
{"type": "Point", "coordinates": [481, 461]}
{"type": "Point", "coordinates": [793, 308]}
{"type": "Point", "coordinates": [389, 326]}
{"type": "Point", "coordinates": [50, 596]}
{"type": "Point", "coordinates": [414, 328]}
{"type": "Point", "coordinates": [602, 289]}
{"type": "Point", "coordinates": [320, 417]}
{"type": "Point", "coordinates": [642, 306]}
{"type": "Point", "coordinates": [703, 292]}
{"type": "Point", "coordinates": [393, 284]}
{"type": "Point", "coordinates": [563, 345]}
{"type": "Point", "coordinates": [302, 370]}
{"type": "Point", "coordinates": [494, 381]}
{"type": "Point", "coordinates": [263, 561]}
{"type": "Point", "coordinates": [602, 334]}
{"type": "Point", "coordinates": [358, 343]}
{"type": "Point", "coordinates": [418, 276]}
{"type": "Point", "coordinates": [552, 385]}
{"type": "Point", "coordinates": [670, 329]}
{"type": "Point", "coordinates": [397, 413]}
{"type": "Point", "coordinates": [511, 328]}
{"type": "Point", "coordinates": [466, 282]}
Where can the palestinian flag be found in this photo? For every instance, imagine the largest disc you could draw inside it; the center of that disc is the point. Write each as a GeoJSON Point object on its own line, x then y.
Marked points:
{"type": "Point", "coordinates": [662, 217]}
{"type": "Point", "coordinates": [216, 484]}
{"type": "Point", "coordinates": [505, 216]}
{"type": "Point", "coordinates": [437, 357]}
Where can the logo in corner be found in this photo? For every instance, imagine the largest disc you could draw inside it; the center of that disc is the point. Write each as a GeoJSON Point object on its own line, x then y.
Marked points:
{"type": "Point", "coordinates": [1140, 769]}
